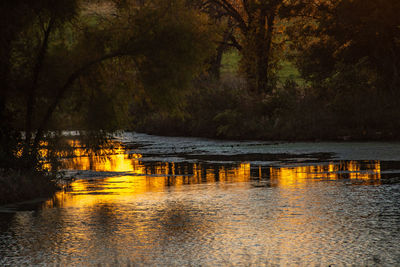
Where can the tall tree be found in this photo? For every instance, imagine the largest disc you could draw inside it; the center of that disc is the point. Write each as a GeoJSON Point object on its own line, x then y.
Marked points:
{"type": "Point", "coordinates": [350, 33]}
{"type": "Point", "coordinates": [349, 51]}
{"type": "Point", "coordinates": [256, 21]}
{"type": "Point", "coordinates": [64, 52]}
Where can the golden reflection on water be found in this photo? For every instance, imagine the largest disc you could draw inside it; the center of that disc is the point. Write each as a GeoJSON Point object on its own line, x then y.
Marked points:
{"type": "Point", "coordinates": [134, 198]}
{"type": "Point", "coordinates": [302, 217]}
{"type": "Point", "coordinates": [156, 176]}
{"type": "Point", "coordinates": [300, 176]}
{"type": "Point", "coordinates": [129, 176]}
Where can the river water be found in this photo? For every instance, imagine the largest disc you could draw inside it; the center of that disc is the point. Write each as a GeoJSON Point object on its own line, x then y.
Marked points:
{"type": "Point", "coordinates": [162, 201]}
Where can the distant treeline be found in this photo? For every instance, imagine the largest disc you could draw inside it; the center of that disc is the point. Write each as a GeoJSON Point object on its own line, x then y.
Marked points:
{"type": "Point", "coordinates": [346, 86]}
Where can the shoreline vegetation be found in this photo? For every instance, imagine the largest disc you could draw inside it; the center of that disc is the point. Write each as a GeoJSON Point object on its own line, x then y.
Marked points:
{"type": "Point", "coordinates": [18, 186]}
{"type": "Point", "coordinates": [224, 109]}
{"type": "Point", "coordinates": [356, 137]}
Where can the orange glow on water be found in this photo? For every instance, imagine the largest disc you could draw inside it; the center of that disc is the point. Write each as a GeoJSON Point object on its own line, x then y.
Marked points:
{"type": "Point", "coordinates": [301, 176]}
{"type": "Point", "coordinates": [146, 200]}
{"type": "Point", "coordinates": [126, 176]}
{"type": "Point", "coordinates": [129, 177]}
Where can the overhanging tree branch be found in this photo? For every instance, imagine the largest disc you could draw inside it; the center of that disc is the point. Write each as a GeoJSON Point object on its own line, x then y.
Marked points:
{"type": "Point", "coordinates": [36, 73]}
{"type": "Point", "coordinates": [228, 7]}
{"type": "Point", "coordinates": [62, 91]}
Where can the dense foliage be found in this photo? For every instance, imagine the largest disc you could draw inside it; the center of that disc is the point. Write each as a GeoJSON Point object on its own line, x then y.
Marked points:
{"type": "Point", "coordinates": [346, 52]}
{"type": "Point", "coordinates": [79, 64]}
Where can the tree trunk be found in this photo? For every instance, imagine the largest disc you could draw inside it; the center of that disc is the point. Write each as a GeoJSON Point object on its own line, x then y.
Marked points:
{"type": "Point", "coordinates": [215, 68]}
{"type": "Point", "coordinates": [3, 92]}
{"type": "Point", "coordinates": [31, 94]}
{"type": "Point", "coordinates": [5, 52]}
{"type": "Point", "coordinates": [264, 40]}
{"type": "Point", "coordinates": [261, 54]}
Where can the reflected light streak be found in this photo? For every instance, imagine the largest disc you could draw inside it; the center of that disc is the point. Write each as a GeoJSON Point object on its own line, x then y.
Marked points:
{"type": "Point", "coordinates": [138, 177]}
{"type": "Point", "coordinates": [301, 176]}
{"type": "Point", "coordinates": [302, 196]}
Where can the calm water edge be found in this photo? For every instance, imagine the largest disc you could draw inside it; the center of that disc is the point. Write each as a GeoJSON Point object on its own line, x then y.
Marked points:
{"type": "Point", "coordinates": [159, 201]}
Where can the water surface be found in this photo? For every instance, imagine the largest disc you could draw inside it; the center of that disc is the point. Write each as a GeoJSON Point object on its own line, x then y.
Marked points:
{"type": "Point", "coordinates": [185, 201]}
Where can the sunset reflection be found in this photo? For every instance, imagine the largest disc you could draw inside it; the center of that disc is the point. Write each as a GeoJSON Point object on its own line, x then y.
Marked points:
{"type": "Point", "coordinates": [149, 205]}
{"type": "Point", "coordinates": [126, 176]}
{"type": "Point", "coordinates": [118, 175]}
{"type": "Point", "coordinates": [300, 176]}
{"type": "Point", "coordinates": [129, 175]}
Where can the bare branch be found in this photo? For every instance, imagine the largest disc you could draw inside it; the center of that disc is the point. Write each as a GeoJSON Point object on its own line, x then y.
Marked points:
{"type": "Point", "coordinates": [232, 12]}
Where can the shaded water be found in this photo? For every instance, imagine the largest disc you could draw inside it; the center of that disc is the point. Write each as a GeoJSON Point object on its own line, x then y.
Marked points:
{"type": "Point", "coordinates": [184, 201]}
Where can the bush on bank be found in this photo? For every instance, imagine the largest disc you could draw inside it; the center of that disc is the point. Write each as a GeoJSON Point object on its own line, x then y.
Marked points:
{"type": "Point", "coordinates": [226, 110]}
{"type": "Point", "coordinates": [16, 186]}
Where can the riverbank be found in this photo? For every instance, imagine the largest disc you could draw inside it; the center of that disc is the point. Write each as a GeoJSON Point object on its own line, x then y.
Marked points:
{"type": "Point", "coordinates": [16, 186]}
{"type": "Point", "coordinates": [227, 110]}
{"type": "Point", "coordinates": [175, 129]}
